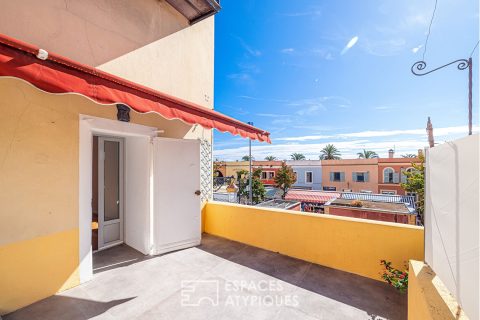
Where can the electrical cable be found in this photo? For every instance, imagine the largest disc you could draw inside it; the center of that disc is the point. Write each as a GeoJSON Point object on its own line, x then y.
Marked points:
{"type": "Point", "coordinates": [429, 30]}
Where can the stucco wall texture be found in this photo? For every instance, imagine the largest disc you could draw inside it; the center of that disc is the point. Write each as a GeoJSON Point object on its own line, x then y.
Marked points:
{"type": "Point", "coordinates": [347, 244]}
{"type": "Point", "coordinates": [144, 41]}
{"type": "Point", "coordinates": [428, 297]}
{"type": "Point", "coordinates": [39, 165]}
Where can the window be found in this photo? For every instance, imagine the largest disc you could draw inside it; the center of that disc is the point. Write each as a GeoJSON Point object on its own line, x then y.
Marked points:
{"type": "Point", "coordinates": [366, 191]}
{"type": "Point", "coordinates": [389, 175]}
{"type": "Point", "coordinates": [268, 175]}
{"type": "Point", "coordinates": [360, 176]}
{"type": "Point", "coordinates": [347, 190]}
{"type": "Point", "coordinates": [388, 192]}
{"type": "Point", "coordinates": [309, 177]}
{"type": "Point", "coordinates": [404, 176]}
{"type": "Point", "coordinates": [337, 176]}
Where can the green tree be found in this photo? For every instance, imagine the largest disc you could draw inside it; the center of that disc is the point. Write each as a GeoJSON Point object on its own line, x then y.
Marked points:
{"type": "Point", "coordinates": [367, 154]}
{"type": "Point", "coordinates": [247, 158]}
{"type": "Point", "coordinates": [258, 189]}
{"type": "Point", "coordinates": [285, 178]}
{"type": "Point", "coordinates": [297, 156]}
{"type": "Point", "coordinates": [409, 155]}
{"type": "Point", "coordinates": [270, 158]}
{"type": "Point", "coordinates": [330, 152]}
{"type": "Point", "coordinates": [416, 183]}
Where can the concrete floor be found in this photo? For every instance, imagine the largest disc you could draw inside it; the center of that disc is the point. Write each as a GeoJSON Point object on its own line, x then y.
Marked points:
{"type": "Point", "coordinates": [219, 279]}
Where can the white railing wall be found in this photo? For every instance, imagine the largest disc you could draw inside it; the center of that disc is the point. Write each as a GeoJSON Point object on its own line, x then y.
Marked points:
{"type": "Point", "coordinates": [452, 219]}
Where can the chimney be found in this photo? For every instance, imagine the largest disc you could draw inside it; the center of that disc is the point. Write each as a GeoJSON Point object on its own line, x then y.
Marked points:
{"type": "Point", "coordinates": [391, 153]}
{"type": "Point", "coordinates": [431, 142]}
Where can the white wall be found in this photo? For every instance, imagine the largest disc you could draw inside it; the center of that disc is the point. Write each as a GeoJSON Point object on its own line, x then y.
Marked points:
{"type": "Point", "coordinates": [452, 222]}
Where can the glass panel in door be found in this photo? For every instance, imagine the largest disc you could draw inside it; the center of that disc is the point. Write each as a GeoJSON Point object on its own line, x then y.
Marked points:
{"type": "Point", "coordinates": [112, 180]}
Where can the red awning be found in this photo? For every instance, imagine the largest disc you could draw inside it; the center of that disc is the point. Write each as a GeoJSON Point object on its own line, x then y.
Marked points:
{"type": "Point", "coordinates": [57, 74]}
{"type": "Point", "coordinates": [311, 196]}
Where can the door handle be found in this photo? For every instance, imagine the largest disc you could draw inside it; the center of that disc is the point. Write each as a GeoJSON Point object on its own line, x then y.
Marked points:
{"type": "Point", "coordinates": [198, 192]}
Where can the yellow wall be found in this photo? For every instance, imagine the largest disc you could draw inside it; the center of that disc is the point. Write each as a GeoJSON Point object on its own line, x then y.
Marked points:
{"type": "Point", "coordinates": [347, 244]}
{"type": "Point", "coordinates": [33, 269]}
{"type": "Point", "coordinates": [39, 183]}
{"type": "Point", "coordinates": [428, 298]}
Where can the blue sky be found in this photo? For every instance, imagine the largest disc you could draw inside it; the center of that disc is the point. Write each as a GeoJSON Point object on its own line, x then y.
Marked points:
{"type": "Point", "coordinates": [318, 72]}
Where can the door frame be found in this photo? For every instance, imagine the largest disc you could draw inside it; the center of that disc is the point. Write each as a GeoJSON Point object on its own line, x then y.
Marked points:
{"type": "Point", "coordinates": [101, 190]}
{"type": "Point", "coordinates": [88, 127]}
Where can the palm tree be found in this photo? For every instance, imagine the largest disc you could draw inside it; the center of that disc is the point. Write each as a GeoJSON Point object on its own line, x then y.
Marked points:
{"type": "Point", "coordinates": [330, 152]}
{"type": "Point", "coordinates": [297, 156]}
{"type": "Point", "coordinates": [247, 158]}
{"type": "Point", "coordinates": [367, 154]}
{"type": "Point", "coordinates": [270, 158]}
{"type": "Point", "coordinates": [409, 155]}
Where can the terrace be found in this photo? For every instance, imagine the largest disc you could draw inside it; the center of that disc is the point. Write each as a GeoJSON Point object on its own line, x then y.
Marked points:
{"type": "Point", "coordinates": [128, 285]}
{"type": "Point", "coordinates": [334, 274]}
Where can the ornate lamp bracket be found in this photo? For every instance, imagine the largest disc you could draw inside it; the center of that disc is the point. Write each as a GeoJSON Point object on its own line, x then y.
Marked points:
{"type": "Point", "coordinates": [419, 66]}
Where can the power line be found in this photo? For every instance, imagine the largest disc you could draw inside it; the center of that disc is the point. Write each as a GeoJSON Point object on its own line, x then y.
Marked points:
{"type": "Point", "coordinates": [474, 48]}
{"type": "Point", "coordinates": [429, 29]}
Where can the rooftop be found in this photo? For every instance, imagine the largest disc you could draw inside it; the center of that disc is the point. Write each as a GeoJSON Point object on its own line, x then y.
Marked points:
{"type": "Point", "coordinates": [312, 196]}
{"type": "Point", "coordinates": [245, 279]}
{"type": "Point", "coordinates": [372, 205]}
{"type": "Point", "coordinates": [279, 204]}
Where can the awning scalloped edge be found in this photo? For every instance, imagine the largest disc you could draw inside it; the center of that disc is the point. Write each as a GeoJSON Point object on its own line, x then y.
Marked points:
{"type": "Point", "coordinates": [57, 74]}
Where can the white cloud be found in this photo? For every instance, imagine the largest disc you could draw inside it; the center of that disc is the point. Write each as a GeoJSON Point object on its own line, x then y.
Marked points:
{"type": "Point", "coordinates": [436, 131]}
{"type": "Point", "coordinates": [415, 50]}
{"type": "Point", "coordinates": [382, 47]}
{"type": "Point", "coordinates": [310, 110]}
{"type": "Point", "coordinates": [384, 108]}
{"type": "Point", "coordinates": [304, 138]}
{"type": "Point", "coordinates": [241, 77]}
{"type": "Point", "coordinates": [348, 143]}
{"type": "Point", "coordinates": [312, 12]}
{"type": "Point", "coordinates": [349, 45]}
{"type": "Point", "coordinates": [288, 50]}
{"type": "Point", "coordinates": [348, 149]}
{"type": "Point", "coordinates": [250, 50]}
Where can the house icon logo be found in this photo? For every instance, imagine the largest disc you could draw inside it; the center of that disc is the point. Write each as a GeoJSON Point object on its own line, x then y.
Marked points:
{"type": "Point", "coordinates": [195, 293]}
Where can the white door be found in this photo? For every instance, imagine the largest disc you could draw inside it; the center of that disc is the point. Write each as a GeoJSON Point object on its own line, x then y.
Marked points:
{"type": "Point", "coordinates": [176, 194]}
{"type": "Point", "coordinates": [110, 192]}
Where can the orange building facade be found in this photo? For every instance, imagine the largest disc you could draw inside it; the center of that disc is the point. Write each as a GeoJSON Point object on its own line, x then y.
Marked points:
{"type": "Point", "coordinates": [377, 175]}
{"type": "Point", "coordinates": [350, 175]}
{"type": "Point", "coordinates": [391, 173]}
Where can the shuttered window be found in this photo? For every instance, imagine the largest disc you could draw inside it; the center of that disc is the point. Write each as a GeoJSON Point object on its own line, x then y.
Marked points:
{"type": "Point", "coordinates": [388, 175]}
{"type": "Point", "coordinates": [337, 176]}
{"type": "Point", "coordinates": [360, 176]}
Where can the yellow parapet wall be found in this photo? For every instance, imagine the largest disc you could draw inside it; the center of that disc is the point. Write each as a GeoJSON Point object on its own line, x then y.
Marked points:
{"type": "Point", "coordinates": [348, 244]}
{"type": "Point", "coordinates": [428, 298]}
{"type": "Point", "coordinates": [31, 270]}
